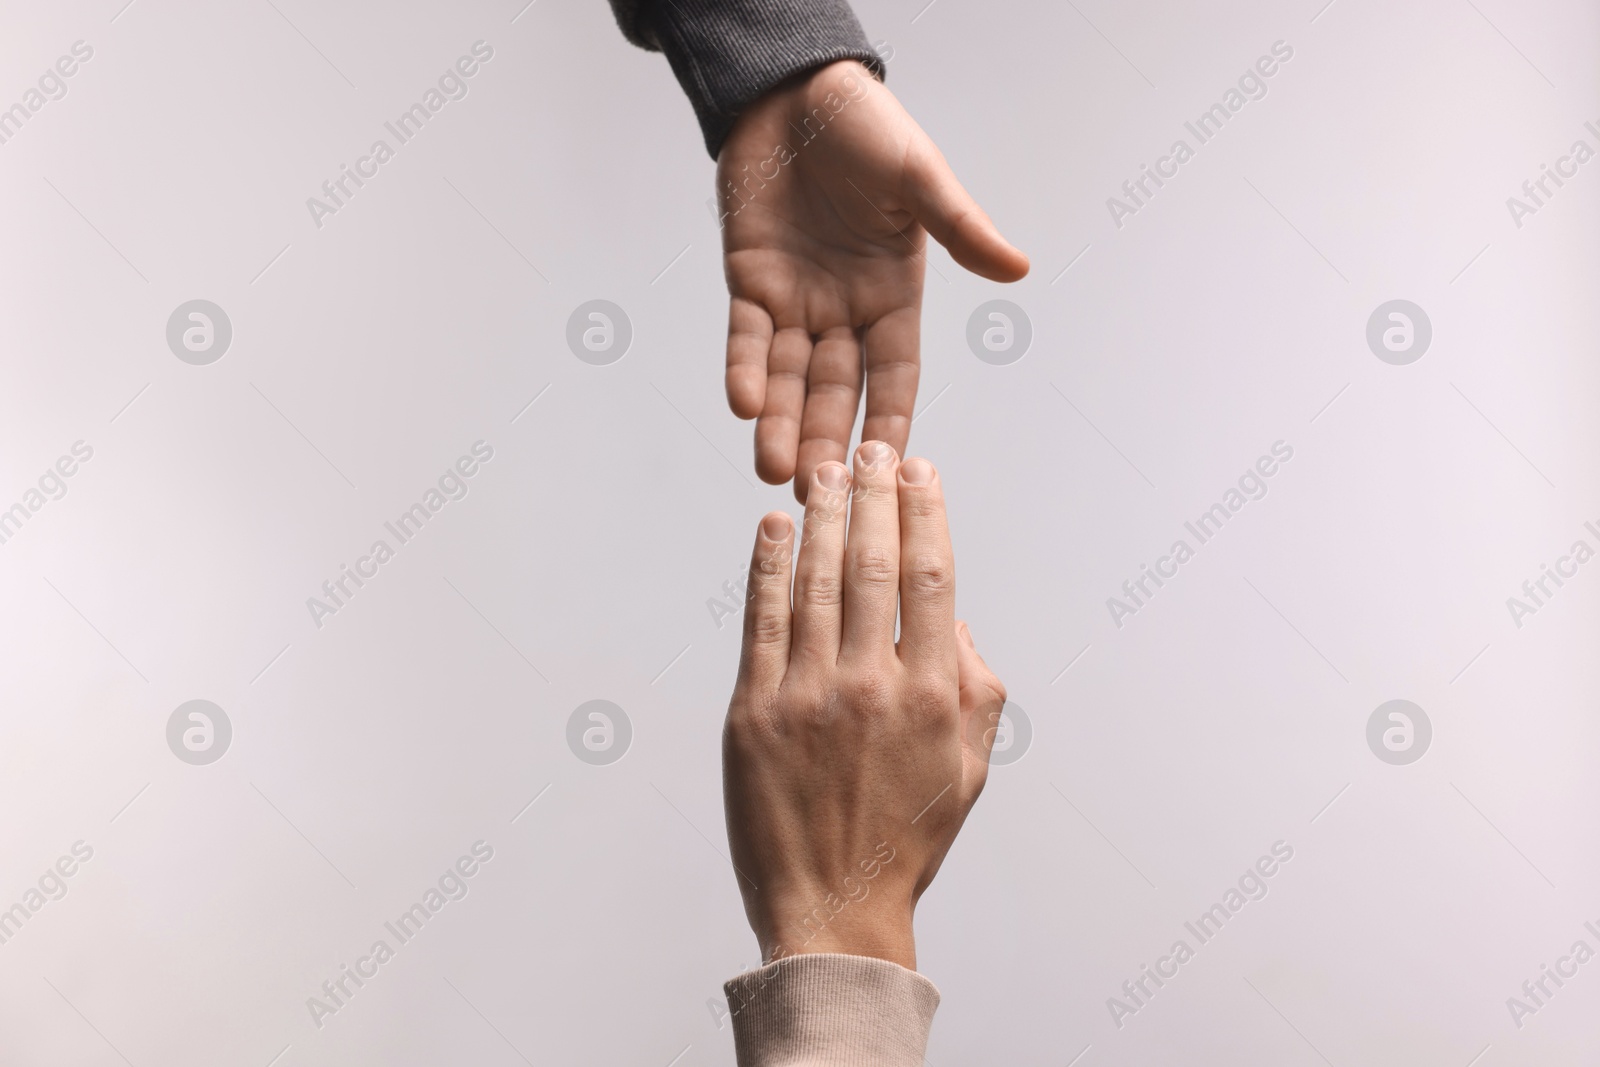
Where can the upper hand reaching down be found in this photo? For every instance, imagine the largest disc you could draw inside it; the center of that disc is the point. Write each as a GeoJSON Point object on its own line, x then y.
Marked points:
{"type": "Point", "coordinates": [829, 190]}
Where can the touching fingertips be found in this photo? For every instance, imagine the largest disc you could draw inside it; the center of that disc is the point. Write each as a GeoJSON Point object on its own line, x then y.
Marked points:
{"type": "Point", "coordinates": [874, 455]}
{"type": "Point", "coordinates": [917, 471]}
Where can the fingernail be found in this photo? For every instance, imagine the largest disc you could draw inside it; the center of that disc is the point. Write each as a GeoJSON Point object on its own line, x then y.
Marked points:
{"type": "Point", "coordinates": [875, 454]}
{"type": "Point", "coordinates": [917, 471]}
{"type": "Point", "coordinates": [966, 635]}
{"type": "Point", "coordinates": [775, 527]}
{"type": "Point", "coordinates": [833, 476]}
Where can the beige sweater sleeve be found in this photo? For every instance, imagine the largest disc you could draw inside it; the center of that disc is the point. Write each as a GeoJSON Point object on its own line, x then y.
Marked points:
{"type": "Point", "coordinates": [831, 1010]}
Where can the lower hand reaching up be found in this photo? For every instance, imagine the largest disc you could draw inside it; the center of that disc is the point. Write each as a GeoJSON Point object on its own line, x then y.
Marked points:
{"type": "Point", "coordinates": [850, 761]}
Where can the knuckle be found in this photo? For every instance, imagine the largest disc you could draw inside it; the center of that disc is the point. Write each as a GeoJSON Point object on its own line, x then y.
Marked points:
{"type": "Point", "coordinates": [930, 694]}
{"type": "Point", "coordinates": [869, 692]}
{"type": "Point", "coordinates": [803, 704]}
{"type": "Point", "coordinates": [819, 715]}
{"type": "Point", "coordinates": [750, 727]}
{"type": "Point", "coordinates": [821, 592]}
{"type": "Point", "coordinates": [772, 564]}
{"type": "Point", "coordinates": [874, 567]}
{"type": "Point", "coordinates": [739, 721]}
{"type": "Point", "coordinates": [763, 630]}
{"type": "Point", "coordinates": [744, 708]}
{"type": "Point", "coordinates": [930, 575]}
{"type": "Point", "coordinates": [934, 715]}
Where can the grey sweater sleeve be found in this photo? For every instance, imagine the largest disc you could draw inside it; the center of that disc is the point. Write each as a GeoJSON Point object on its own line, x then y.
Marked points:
{"type": "Point", "coordinates": [831, 1010]}
{"type": "Point", "coordinates": [726, 53]}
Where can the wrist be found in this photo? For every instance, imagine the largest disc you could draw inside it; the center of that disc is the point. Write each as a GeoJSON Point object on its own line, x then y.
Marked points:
{"type": "Point", "coordinates": [896, 945]}
{"type": "Point", "coordinates": [837, 925]}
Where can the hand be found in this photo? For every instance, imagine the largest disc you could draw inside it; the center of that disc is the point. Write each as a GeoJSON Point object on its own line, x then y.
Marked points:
{"type": "Point", "coordinates": [830, 190]}
{"type": "Point", "coordinates": [850, 761]}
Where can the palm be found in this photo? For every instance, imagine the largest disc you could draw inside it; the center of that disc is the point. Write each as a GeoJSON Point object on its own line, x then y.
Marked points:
{"type": "Point", "coordinates": [823, 247]}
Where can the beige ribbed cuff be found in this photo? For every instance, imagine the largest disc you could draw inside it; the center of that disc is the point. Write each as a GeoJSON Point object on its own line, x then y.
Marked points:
{"type": "Point", "coordinates": [831, 1010]}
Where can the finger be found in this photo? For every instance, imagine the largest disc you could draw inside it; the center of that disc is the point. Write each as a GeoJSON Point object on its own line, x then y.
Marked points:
{"type": "Point", "coordinates": [833, 394]}
{"type": "Point", "coordinates": [982, 697]}
{"type": "Point", "coordinates": [872, 556]}
{"type": "Point", "coordinates": [955, 220]}
{"type": "Point", "coordinates": [778, 429]}
{"type": "Point", "coordinates": [749, 340]}
{"type": "Point", "coordinates": [927, 574]}
{"type": "Point", "coordinates": [764, 657]}
{"type": "Point", "coordinates": [893, 365]}
{"type": "Point", "coordinates": [819, 572]}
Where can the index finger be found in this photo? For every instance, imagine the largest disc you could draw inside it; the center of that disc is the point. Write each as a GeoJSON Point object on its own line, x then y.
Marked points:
{"type": "Point", "coordinates": [764, 653]}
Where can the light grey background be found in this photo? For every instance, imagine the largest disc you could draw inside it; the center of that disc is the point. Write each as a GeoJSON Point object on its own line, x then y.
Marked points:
{"type": "Point", "coordinates": [369, 354]}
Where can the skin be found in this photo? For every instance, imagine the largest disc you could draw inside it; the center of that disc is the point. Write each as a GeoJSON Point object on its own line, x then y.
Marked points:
{"type": "Point", "coordinates": [824, 251]}
{"type": "Point", "coordinates": [850, 761]}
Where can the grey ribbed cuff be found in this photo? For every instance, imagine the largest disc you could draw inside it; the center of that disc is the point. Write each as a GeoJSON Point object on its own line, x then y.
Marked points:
{"type": "Point", "coordinates": [727, 53]}
{"type": "Point", "coordinates": [831, 1010]}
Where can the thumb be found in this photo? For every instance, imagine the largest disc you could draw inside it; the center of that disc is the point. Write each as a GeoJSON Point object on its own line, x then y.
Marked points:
{"type": "Point", "coordinates": [955, 220]}
{"type": "Point", "coordinates": [982, 696]}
